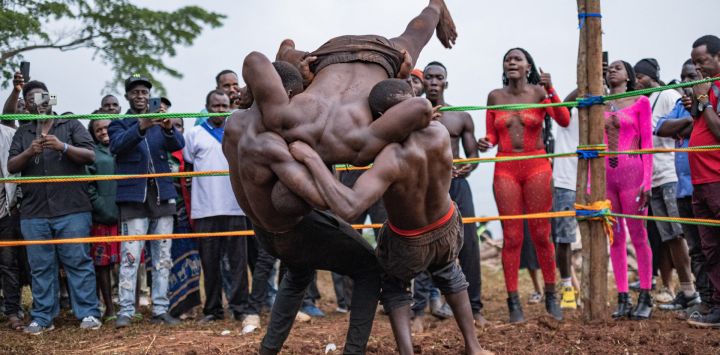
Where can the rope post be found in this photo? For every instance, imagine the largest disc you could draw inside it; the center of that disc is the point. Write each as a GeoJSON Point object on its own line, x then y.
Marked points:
{"type": "Point", "coordinates": [595, 255]}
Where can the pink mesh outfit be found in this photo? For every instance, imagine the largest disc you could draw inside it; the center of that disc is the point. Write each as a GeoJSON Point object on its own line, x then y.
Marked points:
{"type": "Point", "coordinates": [629, 128]}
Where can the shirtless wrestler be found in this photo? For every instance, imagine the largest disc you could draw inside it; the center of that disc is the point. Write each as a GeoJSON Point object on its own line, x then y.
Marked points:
{"type": "Point", "coordinates": [424, 229]}
{"type": "Point", "coordinates": [262, 174]}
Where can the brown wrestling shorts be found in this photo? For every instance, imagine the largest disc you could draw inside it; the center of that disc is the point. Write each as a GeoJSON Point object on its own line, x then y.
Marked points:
{"type": "Point", "coordinates": [405, 257]}
{"type": "Point", "coordinates": [366, 48]}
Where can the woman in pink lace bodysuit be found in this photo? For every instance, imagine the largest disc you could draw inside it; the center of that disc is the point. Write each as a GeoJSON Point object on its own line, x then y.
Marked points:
{"type": "Point", "coordinates": [628, 125]}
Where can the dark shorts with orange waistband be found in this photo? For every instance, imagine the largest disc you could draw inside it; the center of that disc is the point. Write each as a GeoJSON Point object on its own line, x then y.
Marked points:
{"type": "Point", "coordinates": [402, 258]}
{"type": "Point", "coordinates": [365, 48]}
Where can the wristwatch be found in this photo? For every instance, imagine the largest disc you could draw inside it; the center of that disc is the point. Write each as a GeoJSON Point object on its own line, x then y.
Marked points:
{"type": "Point", "coordinates": [702, 107]}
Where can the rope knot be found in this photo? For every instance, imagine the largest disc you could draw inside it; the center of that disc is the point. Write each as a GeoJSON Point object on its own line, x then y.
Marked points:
{"type": "Point", "coordinates": [587, 101]}
{"type": "Point", "coordinates": [597, 211]}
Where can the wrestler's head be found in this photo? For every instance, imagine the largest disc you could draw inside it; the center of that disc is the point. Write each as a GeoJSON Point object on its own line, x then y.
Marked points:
{"type": "Point", "coordinates": [291, 78]}
{"type": "Point", "coordinates": [435, 78]}
{"type": "Point", "coordinates": [621, 73]}
{"type": "Point", "coordinates": [387, 94]}
{"type": "Point", "coordinates": [519, 64]}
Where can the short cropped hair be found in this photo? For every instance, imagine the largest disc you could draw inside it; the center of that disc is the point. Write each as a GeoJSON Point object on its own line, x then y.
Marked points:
{"type": "Point", "coordinates": [211, 93]}
{"type": "Point", "coordinates": [386, 94]}
{"type": "Point", "coordinates": [712, 43]}
{"type": "Point", "coordinates": [290, 75]}
{"type": "Point", "coordinates": [32, 85]}
{"type": "Point", "coordinates": [226, 71]}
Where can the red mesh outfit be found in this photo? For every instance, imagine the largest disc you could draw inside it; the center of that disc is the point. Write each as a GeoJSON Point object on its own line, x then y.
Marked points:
{"type": "Point", "coordinates": [524, 186]}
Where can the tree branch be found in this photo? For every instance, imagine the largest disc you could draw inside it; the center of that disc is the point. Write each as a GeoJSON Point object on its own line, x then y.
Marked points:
{"type": "Point", "coordinates": [7, 55]}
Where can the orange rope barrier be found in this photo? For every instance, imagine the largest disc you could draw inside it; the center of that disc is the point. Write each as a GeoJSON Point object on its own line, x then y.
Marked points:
{"type": "Point", "coordinates": [130, 238]}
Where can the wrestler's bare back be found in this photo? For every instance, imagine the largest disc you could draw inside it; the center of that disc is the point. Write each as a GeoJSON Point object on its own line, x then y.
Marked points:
{"type": "Point", "coordinates": [336, 115]}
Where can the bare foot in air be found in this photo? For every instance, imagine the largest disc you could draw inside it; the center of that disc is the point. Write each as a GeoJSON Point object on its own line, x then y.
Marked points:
{"type": "Point", "coordinates": [445, 30]}
{"type": "Point", "coordinates": [287, 52]}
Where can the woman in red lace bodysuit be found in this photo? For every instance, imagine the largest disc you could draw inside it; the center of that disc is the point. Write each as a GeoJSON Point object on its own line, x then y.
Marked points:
{"type": "Point", "coordinates": [523, 186]}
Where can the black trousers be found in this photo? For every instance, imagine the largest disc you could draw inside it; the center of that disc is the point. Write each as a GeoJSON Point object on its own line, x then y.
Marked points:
{"type": "Point", "coordinates": [470, 253]}
{"type": "Point", "coordinates": [261, 264]}
{"type": "Point", "coordinates": [10, 263]}
{"type": "Point", "coordinates": [212, 251]}
{"type": "Point", "coordinates": [697, 258]}
{"type": "Point", "coordinates": [321, 241]}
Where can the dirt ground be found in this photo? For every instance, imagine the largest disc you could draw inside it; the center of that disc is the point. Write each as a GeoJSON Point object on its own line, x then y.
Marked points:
{"type": "Point", "coordinates": [540, 335]}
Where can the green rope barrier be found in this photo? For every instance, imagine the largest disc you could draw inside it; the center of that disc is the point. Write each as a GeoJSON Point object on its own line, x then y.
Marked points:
{"type": "Point", "coordinates": [575, 103]}
{"type": "Point", "coordinates": [507, 107]}
{"type": "Point", "coordinates": [105, 116]}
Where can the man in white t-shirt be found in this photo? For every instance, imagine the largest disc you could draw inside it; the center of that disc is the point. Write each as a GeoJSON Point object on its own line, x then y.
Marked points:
{"type": "Point", "coordinates": [215, 209]}
{"type": "Point", "coordinates": [664, 186]}
{"type": "Point", "coordinates": [564, 180]}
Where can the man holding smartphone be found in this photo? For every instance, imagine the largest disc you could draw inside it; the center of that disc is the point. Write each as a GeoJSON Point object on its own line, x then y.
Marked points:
{"type": "Point", "coordinates": [146, 206]}
{"type": "Point", "coordinates": [705, 166]}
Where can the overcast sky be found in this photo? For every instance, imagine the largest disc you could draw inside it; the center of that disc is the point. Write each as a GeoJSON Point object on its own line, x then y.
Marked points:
{"type": "Point", "coordinates": [663, 29]}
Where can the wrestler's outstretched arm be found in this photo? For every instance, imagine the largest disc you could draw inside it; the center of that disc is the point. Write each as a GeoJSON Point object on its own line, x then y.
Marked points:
{"type": "Point", "coordinates": [293, 174]}
{"type": "Point", "coordinates": [418, 32]}
{"type": "Point", "coordinates": [395, 125]}
{"type": "Point", "coordinates": [348, 203]}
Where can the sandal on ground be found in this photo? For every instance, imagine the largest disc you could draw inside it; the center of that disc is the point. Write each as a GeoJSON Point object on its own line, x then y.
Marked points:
{"type": "Point", "coordinates": [15, 323]}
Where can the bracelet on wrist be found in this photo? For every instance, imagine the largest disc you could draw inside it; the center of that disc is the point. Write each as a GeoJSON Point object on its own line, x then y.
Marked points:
{"type": "Point", "coordinates": [65, 148]}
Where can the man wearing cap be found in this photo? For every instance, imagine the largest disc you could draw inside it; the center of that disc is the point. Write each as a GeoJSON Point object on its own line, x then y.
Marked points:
{"type": "Point", "coordinates": [664, 190]}
{"type": "Point", "coordinates": [147, 206]}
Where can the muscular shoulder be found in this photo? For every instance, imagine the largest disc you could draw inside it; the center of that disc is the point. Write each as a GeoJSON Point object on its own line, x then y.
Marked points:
{"type": "Point", "coordinates": [433, 137]}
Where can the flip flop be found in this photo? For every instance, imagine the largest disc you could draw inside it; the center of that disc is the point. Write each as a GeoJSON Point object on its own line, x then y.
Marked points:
{"type": "Point", "coordinates": [16, 324]}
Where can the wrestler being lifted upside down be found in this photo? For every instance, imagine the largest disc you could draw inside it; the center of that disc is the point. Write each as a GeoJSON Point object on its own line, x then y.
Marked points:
{"type": "Point", "coordinates": [332, 114]}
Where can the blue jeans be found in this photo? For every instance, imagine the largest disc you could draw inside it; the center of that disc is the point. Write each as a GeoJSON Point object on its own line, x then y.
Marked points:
{"type": "Point", "coordinates": [130, 259]}
{"type": "Point", "coordinates": [44, 266]}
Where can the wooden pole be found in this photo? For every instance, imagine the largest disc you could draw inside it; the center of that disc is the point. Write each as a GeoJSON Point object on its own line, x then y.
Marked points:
{"type": "Point", "coordinates": [592, 131]}
{"type": "Point", "coordinates": [582, 167]}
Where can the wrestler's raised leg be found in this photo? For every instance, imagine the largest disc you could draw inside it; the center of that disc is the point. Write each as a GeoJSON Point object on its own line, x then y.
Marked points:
{"type": "Point", "coordinates": [418, 32]}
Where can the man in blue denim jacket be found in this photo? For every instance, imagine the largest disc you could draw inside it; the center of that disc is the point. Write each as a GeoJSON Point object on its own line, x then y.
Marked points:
{"type": "Point", "coordinates": [146, 206]}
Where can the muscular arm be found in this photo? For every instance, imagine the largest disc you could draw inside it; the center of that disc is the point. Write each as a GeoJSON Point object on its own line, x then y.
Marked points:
{"type": "Point", "coordinates": [348, 203]}
{"type": "Point", "coordinates": [292, 174]}
{"type": "Point", "coordinates": [395, 125]}
{"type": "Point", "coordinates": [468, 139]}
{"type": "Point", "coordinates": [267, 89]}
